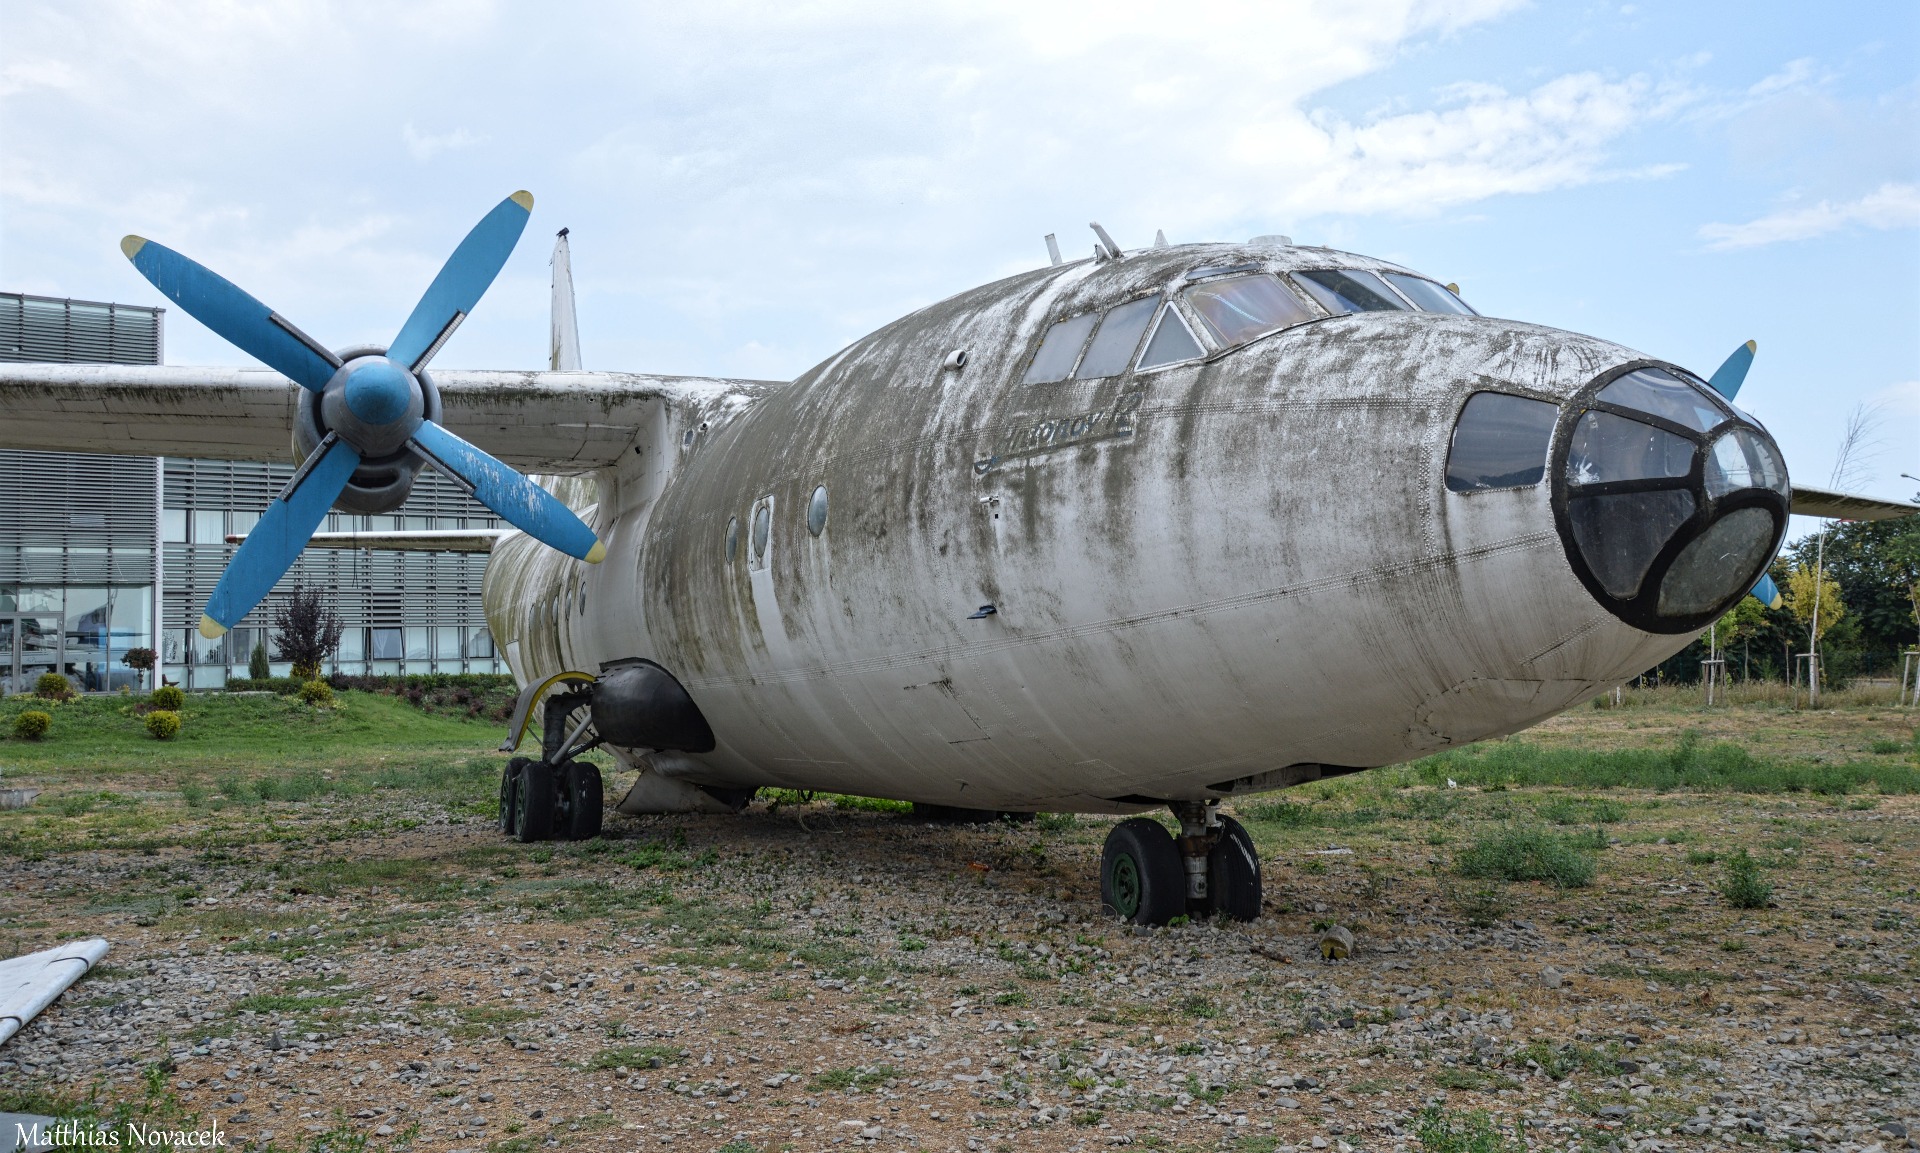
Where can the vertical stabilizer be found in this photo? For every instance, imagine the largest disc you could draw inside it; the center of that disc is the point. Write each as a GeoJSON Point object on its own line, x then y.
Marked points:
{"type": "Point", "coordinates": [564, 348]}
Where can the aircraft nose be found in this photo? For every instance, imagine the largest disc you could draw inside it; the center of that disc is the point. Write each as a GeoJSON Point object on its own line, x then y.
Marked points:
{"type": "Point", "coordinates": [1669, 501]}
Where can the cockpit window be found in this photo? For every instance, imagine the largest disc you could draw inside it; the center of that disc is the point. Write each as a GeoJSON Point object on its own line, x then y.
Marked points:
{"type": "Point", "coordinates": [1113, 346]}
{"type": "Point", "coordinates": [1659, 392]}
{"type": "Point", "coordinates": [1240, 308]}
{"type": "Point", "coordinates": [1171, 342]}
{"type": "Point", "coordinates": [1500, 442]}
{"type": "Point", "coordinates": [1606, 447]}
{"type": "Point", "coordinates": [1428, 296]}
{"type": "Point", "coordinates": [1349, 290]}
{"type": "Point", "coordinates": [1060, 349]}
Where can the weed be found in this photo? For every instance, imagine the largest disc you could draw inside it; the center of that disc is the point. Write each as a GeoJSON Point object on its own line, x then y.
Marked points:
{"type": "Point", "coordinates": [1561, 1063]}
{"type": "Point", "coordinates": [1701, 856]}
{"type": "Point", "coordinates": [1742, 886]}
{"type": "Point", "coordinates": [1446, 1131]}
{"type": "Point", "coordinates": [1055, 822]}
{"type": "Point", "coordinates": [853, 1079]}
{"type": "Point", "coordinates": [635, 1057]}
{"type": "Point", "coordinates": [1519, 854]}
{"type": "Point", "coordinates": [1286, 814]}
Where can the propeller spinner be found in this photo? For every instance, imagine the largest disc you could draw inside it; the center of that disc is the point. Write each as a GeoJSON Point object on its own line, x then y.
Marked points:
{"type": "Point", "coordinates": [374, 405]}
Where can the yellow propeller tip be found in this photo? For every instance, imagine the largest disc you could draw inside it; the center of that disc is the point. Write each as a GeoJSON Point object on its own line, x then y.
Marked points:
{"type": "Point", "coordinates": [1753, 346]}
{"type": "Point", "coordinates": [523, 198]}
{"type": "Point", "coordinates": [211, 629]}
{"type": "Point", "coordinates": [1453, 288]}
{"type": "Point", "coordinates": [131, 245]}
{"type": "Point", "coordinates": [597, 553]}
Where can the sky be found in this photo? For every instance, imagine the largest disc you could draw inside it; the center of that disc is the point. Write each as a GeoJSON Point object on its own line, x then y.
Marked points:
{"type": "Point", "coordinates": [751, 187]}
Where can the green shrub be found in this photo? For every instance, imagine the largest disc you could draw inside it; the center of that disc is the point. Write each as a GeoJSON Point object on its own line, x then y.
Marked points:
{"type": "Point", "coordinates": [317, 693]}
{"type": "Point", "coordinates": [257, 666]}
{"type": "Point", "coordinates": [1443, 1131]}
{"type": "Point", "coordinates": [1529, 855]}
{"type": "Point", "coordinates": [32, 725]}
{"type": "Point", "coordinates": [163, 724]}
{"type": "Point", "coordinates": [52, 687]}
{"type": "Point", "coordinates": [285, 686]}
{"type": "Point", "coordinates": [168, 697]}
{"type": "Point", "coordinates": [1743, 888]}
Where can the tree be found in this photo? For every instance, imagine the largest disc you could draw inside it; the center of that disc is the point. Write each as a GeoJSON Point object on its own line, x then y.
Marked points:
{"type": "Point", "coordinates": [1814, 600]}
{"type": "Point", "coordinates": [257, 663]}
{"type": "Point", "coordinates": [1878, 566]}
{"type": "Point", "coordinates": [306, 632]}
{"type": "Point", "coordinates": [140, 661]}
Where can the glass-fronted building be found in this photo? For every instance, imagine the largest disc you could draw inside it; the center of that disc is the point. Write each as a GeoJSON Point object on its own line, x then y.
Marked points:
{"type": "Point", "coordinates": [94, 550]}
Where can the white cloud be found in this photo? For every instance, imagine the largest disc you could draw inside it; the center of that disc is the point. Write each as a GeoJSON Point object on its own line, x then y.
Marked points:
{"type": "Point", "coordinates": [1887, 207]}
{"type": "Point", "coordinates": [425, 146]}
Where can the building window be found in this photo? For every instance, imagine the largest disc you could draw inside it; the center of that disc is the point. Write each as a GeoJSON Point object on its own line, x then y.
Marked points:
{"type": "Point", "coordinates": [386, 645]}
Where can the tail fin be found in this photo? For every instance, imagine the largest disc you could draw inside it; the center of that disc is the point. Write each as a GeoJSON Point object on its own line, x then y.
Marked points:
{"type": "Point", "coordinates": [564, 349]}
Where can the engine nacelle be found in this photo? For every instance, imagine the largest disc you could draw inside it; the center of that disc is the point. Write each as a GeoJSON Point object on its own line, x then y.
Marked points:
{"type": "Point", "coordinates": [381, 483]}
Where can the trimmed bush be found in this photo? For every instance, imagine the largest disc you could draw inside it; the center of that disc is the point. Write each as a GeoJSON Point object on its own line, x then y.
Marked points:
{"type": "Point", "coordinates": [32, 725]}
{"type": "Point", "coordinates": [168, 697]}
{"type": "Point", "coordinates": [52, 687]}
{"type": "Point", "coordinates": [257, 666]}
{"type": "Point", "coordinates": [285, 686]}
{"type": "Point", "coordinates": [317, 693]}
{"type": "Point", "coordinates": [1742, 886]}
{"type": "Point", "coordinates": [163, 724]}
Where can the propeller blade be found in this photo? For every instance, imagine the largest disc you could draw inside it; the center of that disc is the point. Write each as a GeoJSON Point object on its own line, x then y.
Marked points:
{"type": "Point", "coordinates": [524, 504]}
{"type": "Point", "coordinates": [461, 282]}
{"type": "Point", "coordinates": [275, 543]}
{"type": "Point", "coordinates": [1726, 379]}
{"type": "Point", "coordinates": [218, 303]}
{"type": "Point", "coordinates": [1768, 593]}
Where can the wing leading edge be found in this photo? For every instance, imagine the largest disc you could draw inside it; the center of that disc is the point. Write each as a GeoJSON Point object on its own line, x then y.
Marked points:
{"type": "Point", "coordinates": [1845, 506]}
{"type": "Point", "coordinates": [551, 422]}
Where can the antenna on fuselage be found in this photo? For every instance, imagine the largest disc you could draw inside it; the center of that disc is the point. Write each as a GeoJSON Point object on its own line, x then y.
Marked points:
{"type": "Point", "coordinates": [1106, 241]}
{"type": "Point", "coordinates": [563, 348]}
{"type": "Point", "coordinates": [1053, 250]}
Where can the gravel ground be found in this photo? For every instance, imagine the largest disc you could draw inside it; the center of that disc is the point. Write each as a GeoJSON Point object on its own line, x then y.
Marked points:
{"type": "Point", "coordinates": [811, 978]}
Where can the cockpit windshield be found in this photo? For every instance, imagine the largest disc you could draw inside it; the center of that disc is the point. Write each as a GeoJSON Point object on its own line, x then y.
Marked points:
{"type": "Point", "coordinates": [1239, 308]}
{"type": "Point", "coordinates": [1428, 296]}
{"type": "Point", "coordinates": [1341, 290]}
{"type": "Point", "coordinates": [1657, 391]}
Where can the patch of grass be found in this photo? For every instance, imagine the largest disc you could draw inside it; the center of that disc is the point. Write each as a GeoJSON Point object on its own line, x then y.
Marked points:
{"type": "Point", "coordinates": [1286, 814]}
{"type": "Point", "coordinates": [1687, 764]}
{"type": "Point", "coordinates": [1583, 811]}
{"type": "Point", "coordinates": [1560, 1063]}
{"type": "Point", "coordinates": [634, 1057]}
{"type": "Point", "coordinates": [854, 1078]}
{"type": "Point", "coordinates": [1447, 1131]}
{"type": "Point", "coordinates": [1742, 886]}
{"type": "Point", "coordinates": [1199, 1007]}
{"type": "Point", "coordinates": [1522, 854]}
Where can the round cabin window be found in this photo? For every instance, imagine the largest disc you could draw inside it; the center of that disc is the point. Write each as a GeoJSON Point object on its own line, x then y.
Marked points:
{"type": "Point", "coordinates": [817, 511]}
{"type": "Point", "coordinates": [762, 525]}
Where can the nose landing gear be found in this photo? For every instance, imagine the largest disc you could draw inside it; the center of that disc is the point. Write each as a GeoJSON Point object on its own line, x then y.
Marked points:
{"type": "Point", "coordinates": [1149, 877]}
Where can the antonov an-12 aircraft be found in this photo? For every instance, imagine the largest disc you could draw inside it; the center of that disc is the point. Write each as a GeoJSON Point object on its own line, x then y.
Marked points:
{"type": "Point", "coordinates": [1148, 529]}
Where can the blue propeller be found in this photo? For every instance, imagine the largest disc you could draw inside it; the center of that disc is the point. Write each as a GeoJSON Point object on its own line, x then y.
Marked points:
{"type": "Point", "coordinates": [373, 406]}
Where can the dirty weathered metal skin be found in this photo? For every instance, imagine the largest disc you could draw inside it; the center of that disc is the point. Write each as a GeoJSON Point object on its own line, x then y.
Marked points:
{"type": "Point", "coordinates": [1206, 577]}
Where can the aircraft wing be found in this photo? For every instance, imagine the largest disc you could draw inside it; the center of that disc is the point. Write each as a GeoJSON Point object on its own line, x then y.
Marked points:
{"type": "Point", "coordinates": [1844, 506]}
{"type": "Point", "coordinates": [548, 422]}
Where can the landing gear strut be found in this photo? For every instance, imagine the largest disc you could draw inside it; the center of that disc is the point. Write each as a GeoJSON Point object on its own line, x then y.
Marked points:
{"type": "Point", "coordinates": [558, 797]}
{"type": "Point", "coordinates": [1149, 877]}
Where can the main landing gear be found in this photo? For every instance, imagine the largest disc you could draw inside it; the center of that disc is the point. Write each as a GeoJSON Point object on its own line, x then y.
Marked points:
{"type": "Point", "coordinates": [558, 797]}
{"type": "Point", "coordinates": [1149, 877]}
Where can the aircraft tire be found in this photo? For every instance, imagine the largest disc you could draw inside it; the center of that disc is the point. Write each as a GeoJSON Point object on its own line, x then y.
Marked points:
{"type": "Point", "coordinates": [580, 802]}
{"type": "Point", "coordinates": [1142, 878]}
{"type": "Point", "coordinates": [1233, 874]}
{"type": "Point", "coordinates": [510, 792]}
{"type": "Point", "coordinates": [534, 814]}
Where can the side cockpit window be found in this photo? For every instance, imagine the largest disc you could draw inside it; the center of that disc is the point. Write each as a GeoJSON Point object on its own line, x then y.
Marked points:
{"type": "Point", "coordinates": [1171, 342]}
{"type": "Point", "coordinates": [1500, 442]}
{"type": "Point", "coordinates": [1239, 308]}
{"type": "Point", "coordinates": [1120, 331]}
{"type": "Point", "coordinates": [1060, 350]}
